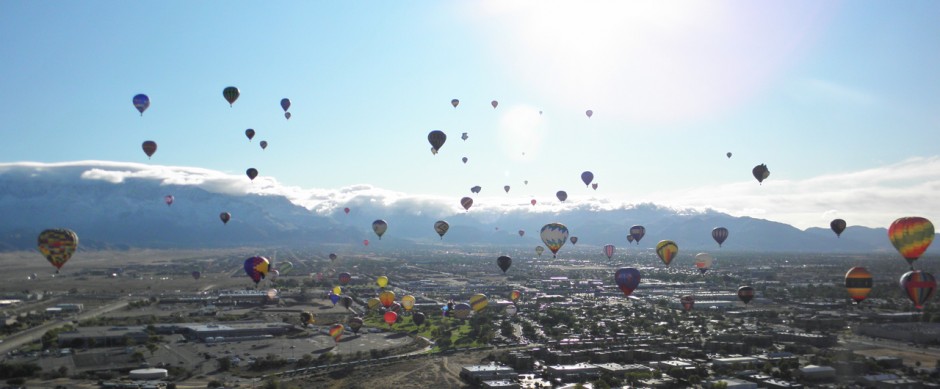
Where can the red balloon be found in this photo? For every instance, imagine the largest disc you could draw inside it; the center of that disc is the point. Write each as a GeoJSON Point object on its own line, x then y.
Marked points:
{"type": "Point", "coordinates": [390, 318]}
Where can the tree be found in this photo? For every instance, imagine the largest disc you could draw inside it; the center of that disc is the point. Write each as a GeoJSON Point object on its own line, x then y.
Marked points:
{"type": "Point", "coordinates": [153, 348]}
{"type": "Point", "coordinates": [224, 363]}
{"type": "Point", "coordinates": [214, 384]}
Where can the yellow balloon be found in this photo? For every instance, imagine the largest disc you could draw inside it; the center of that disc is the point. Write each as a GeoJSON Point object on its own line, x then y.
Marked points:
{"type": "Point", "coordinates": [337, 290]}
{"type": "Point", "coordinates": [382, 281]}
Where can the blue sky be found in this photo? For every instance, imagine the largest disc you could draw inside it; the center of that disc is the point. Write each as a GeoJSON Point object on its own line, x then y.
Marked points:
{"type": "Point", "coordinates": [819, 91]}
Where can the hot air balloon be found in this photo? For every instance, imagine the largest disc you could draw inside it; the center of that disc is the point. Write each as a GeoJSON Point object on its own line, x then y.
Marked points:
{"type": "Point", "coordinates": [274, 274]}
{"type": "Point", "coordinates": [539, 250]}
{"type": "Point", "coordinates": [454, 102]}
{"type": "Point", "coordinates": [687, 302]}
{"type": "Point", "coordinates": [334, 298]}
{"type": "Point", "coordinates": [337, 290]}
{"type": "Point", "coordinates": [504, 262]}
{"type": "Point", "coordinates": [667, 250]}
{"type": "Point", "coordinates": [250, 134]}
{"type": "Point", "coordinates": [418, 318]}
{"type": "Point", "coordinates": [346, 210]}
{"type": "Point", "coordinates": [307, 318]}
{"type": "Point", "coordinates": [746, 294]}
{"type": "Point", "coordinates": [263, 144]}
{"type": "Point", "coordinates": [57, 245]}
{"type": "Point", "coordinates": [627, 279]}
{"type": "Point", "coordinates": [837, 226]}
{"type": "Point", "coordinates": [285, 104]}
{"type": "Point", "coordinates": [462, 310]}
{"type": "Point", "coordinates": [760, 172]}
{"type": "Point", "coordinates": [387, 298]}
{"type": "Point", "coordinates": [365, 242]}
{"type": "Point", "coordinates": [390, 318]}
{"type": "Point", "coordinates": [256, 268]}
{"type": "Point", "coordinates": [637, 233]}
{"type": "Point", "coordinates": [494, 103]}
{"type": "Point", "coordinates": [251, 173]}
{"type": "Point", "coordinates": [719, 234]}
{"type": "Point", "coordinates": [574, 240]}
{"type": "Point", "coordinates": [728, 154]}
{"type": "Point", "coordinates": [408, 302]}
{"type": "Point", "coordinates": [382, 281]}
{"type": "Point", "coordinates": [168, 199]}
{"type": "Point", "coordinates": [466, 202]}
{"type": "Point", "coordinates": [464, 159]}
{"type": "Point", "coordinates": [441, 228]}
{"type": "Point", "coordinates": [379, 226]}
{"type": "Point", "coordinates": [511, 310]}
{"type": "Point", "coordinates": [911, 236]}
{"type": "Point", "coordinates": [355, 324]}
{"type": "Point", "coordinates": [196, 274]}
{"type": "Point", "coordinates": [521, 232]}
{"type": "Point", "coordinates": [333, 257]}
{"type": "Point", "coordinates": [554, 235]}
{"type": "Point", "coordinates": [464, 136]}
{"type": "Point", "coordinates": [336, 332]}
{"type": "Point", "coordinates": [395, 307]}
{"type": "Point", "coordinates": [533, 202]}
{"type": "Point", "coordinates": [344, 278]}
{"type": "Point", "coordinates": [478, 302]}
{"type": "Point", "coordinates": [231, 94]}
{"type": "Point", "coordinates": [630, 238]}
{"type": "Point", "coordinates": [594, 186]}
{"type": "Point", "coordinates": [141, 102]}
{"type": "Point", "coordinates": [476, 189]}
{"type": "Point", "coordinates": [918, 286]}
{"type": "Point", "coordinates": [285, 267]}
{"type": "Point", "coordinates": [373, 303]}
{"type": "Point", "coordinates": [506, 188]}
{"type": "Point", "coordinates": [587, 177]}
{"type": "Point", "coordinates": [437, 139]}
{"type": "Point", "coordinates": [858, 283]}
{"type": "Point", "coordinates": [609, 251]}
{"type": "Point", "coordinates": [225, 217]}
{"type": "Point", "coordinates": [149, 147]}
{"type": "Point", "coordinates": [515, 295]}
{"type": "Point", "coordinates": [703, 262]}
{"type": "Point", "coordinates": [562, 195]}
{"type": "Point", "coordinates": [589, 113]}
{"type": "Point", "coordinates": [345, 301]}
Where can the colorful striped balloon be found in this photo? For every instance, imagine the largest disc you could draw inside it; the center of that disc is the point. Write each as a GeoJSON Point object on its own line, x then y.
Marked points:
{"type": "Point", "coordinates": [515, 295]}
{"type": "Point", "coordinates": [667, 250]}
{"type": "Point", "coordinates": [627, 279]}
{"type": "Point", "coordinates": [858, 283]}
{"type": "Point", "coordinates": [911, 236]}
{"type": "Point", "coordinates": [336, 332]}
{"type": "Point", "coordinates": [57, 245]}
{"type": "Point", "coordinates": [554, 235]}
{"type": "Point", "coordinates": [609, 251]}
{"type": "Point", "coordinates": [462, 310]}
{"type": "Point", "coordinates": [478, 302]}
{"type": "Point", "coordinates": [918, 286]}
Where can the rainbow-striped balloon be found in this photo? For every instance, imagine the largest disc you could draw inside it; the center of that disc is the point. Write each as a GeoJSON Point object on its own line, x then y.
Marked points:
{"type": "Point", "coordinates": [911, 236]}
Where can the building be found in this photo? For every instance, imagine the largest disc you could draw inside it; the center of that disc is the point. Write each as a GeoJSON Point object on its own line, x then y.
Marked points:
{"type": "Point", "coordinates": [574, 373]}
{"type": "Point", "coordinates": [478, 373]}
{"type": "Point", "coordinates": [733, 383]}
{"type": "Point", "coordinates": [817, 373]}
{"type": "Point", "coordinates": [148, 374]}
{"type": "Point", "coordinates": [501, 384]}
{"type": "Point", "coordinates": [104, 336]}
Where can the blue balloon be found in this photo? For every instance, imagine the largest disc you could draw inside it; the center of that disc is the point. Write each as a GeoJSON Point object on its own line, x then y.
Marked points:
{"type": "Point", "coordinates": [141, 102]}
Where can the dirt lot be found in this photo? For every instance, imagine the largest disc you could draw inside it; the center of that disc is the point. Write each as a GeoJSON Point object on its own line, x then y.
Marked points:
{"type": "Point", "coordinates": [434, 372]}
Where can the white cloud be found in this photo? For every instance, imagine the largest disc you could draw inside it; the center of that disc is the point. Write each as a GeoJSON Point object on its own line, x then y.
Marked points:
{"type": "Point", "coordinates": [872, 197]}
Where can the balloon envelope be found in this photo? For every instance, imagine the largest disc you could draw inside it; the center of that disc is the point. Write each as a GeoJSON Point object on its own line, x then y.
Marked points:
{"type": "Point", "coordinates": [250, 134]}
{"type": "Point", "coordinates": [719, 234]}
{"type": "Point", "coordinates": [256, 268]}
{"type": "Point", "coordinates": [574, 240]}
{"type": "Point", "coordinates": [760, 172]}
{"type": "Point", "coordinates": [141, 102]}
{"type": "Point", "coordinates": [858, 283]}
{"type": "Point", "coordinates": [355, 324]}
{"type": "Point", "coordinates": [837, 226]}
{"type": "Point", "coordinates": [231, 94]}
{"type": "Point", "coordinates": [251, 173]}
{"type": "Point", "coordinates": [418, 318]}
{"type": "Point", "coordinates": [589, 113]}
{"type": "Point", "coordinates": [196, 274]}
{"type": "Point", "coordinates": [225, 217]}
{"type": "Point", "coordinates": [911, 236]}
{"type": "Point", "coordinates": [918, 286]}
{"type": "Point", "coordinates": [746, 294]}
{"type": "Point", "coordinates": [462, 310]}
{"type": "Point", "coordinates": [637, 233]}
{"type": "Point", "coordinates": [464, 136]}
{"type": "Point", "coordinates": [387, 298]}
{"type": "Point", "coordinates": [408, 302]}
{"type": "Point", "coordinates": [149, 147]}
{"type": "Point", "coordinates": [478, 302]}
{"type": "Point", "coordinates": [703, 262]}
{"type": "Point", "coordinates": [437, 139]}
{"type": "Point", "coordinates": [506, 188]}
{"type": "Point", "coordinates": [562, 195]}
{"type": "Point", "coordinates": [346, 210]}
{"type": "Point", "coordinates": [263, 144]}
{"type": "Point", "coordinates": [454, 102]}
{"type": "Point", "coordinates": [168, 199]}
{"type": "Point", "coordinates": [494, 103]}
{"type": "Point", "coordinates": [627, 279]}
{"type": "Point", "coordinates": [687, 302]}
{"type": "Point", "coordinates": [466, 203]}
{"type": "Point", "coordinates": [587, 177]}
{"type": "Point", "coordinates": [667, 250]}
{"type": "Point", "coordinates": [344, 278]}
{"type": "Point", "coordinates": [609, 251]}
{"type": "Point", "coordinates": [476, 189]}
{"type": "Point", "coordinates": [307, 318]}
{"type": "Point", "coordinates": [521, 232]}
{"type": "Point", "coordinates": [382, 281]}
{"type": "Point", "coordinates": [441, 227]}
{"type": "Point", "coordinates": [515, 295]}
{"type": "Point", "coordinates": [336, 332]}
{"type": "Point", "coordinates": [390, 318]}
{"type": "Point", "coordinates": [285, 104]}
{"type": "Point", "coordinates": [57, 245]}
{"type": "Point", "coordinates": [554, 235]}
{"type": "Point", "coordinates": [504, 262]}
{"type": "Point", "coordinates": [379, 227]}
{"type": "Point", "coordinates": [539, 250]}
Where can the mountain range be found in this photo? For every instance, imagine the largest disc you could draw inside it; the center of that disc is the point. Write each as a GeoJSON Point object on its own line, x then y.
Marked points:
{"type": "Point", "coordinates": [114, 205]}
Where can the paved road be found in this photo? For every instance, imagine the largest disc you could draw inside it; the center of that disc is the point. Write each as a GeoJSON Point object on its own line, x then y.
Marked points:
{"type": "Point", "coordinates": [30, 335]}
